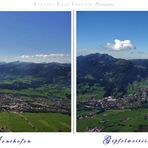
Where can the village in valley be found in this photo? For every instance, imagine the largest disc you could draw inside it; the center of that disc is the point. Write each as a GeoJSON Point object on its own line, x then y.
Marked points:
{"type": "Point", "coordinates": [125, 103]}
{"type": "Point", "coordinates": [14, 103]}
{"type": "Point", "coordinates": [131, 101]}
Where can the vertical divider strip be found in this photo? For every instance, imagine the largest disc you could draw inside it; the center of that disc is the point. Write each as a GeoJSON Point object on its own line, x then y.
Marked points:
{"type": "Point", "coordinates": [73, 70]}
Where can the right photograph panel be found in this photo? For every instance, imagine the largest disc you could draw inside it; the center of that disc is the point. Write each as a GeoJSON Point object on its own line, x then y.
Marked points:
{"type": "Point", "coordinates": [112, 71]}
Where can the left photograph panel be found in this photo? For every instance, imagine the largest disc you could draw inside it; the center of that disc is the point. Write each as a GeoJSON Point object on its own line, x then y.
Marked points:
{"type": "Point", "coordinates": [35, 71]}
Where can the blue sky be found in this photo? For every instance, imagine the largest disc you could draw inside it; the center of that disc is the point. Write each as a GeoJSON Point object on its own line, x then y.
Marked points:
{"type": "Point", "coordinates": [122, 34]}
{"type": "Point", "coordinates": [35, 36]}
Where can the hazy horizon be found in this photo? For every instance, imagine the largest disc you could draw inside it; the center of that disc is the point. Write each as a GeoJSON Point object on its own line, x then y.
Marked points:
{"type": "Point", "coordinates": [112, 56]}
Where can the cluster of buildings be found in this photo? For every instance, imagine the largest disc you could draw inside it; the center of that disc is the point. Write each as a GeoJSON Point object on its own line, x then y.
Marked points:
{"type": "Point", "coordinates": [13, 103]}
{"type": "Point", "coordinates": [127, 101]}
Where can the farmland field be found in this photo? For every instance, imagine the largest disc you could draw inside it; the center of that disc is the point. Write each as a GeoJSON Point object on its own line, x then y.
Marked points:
{"type": "Point", "coordinates": [34, 122]}
{"type": "Point", "coordinates": [116, 121]}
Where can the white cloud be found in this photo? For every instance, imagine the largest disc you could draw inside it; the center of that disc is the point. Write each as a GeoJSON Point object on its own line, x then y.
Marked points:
{"type": "Point", "coordinates": [42, 56]}
{"type": "Point", "coordinates": [24, 56]}
{"type": "Point", "coordinates": [61, 58]}
{"type": "Point", "coordinates": [119, 45]}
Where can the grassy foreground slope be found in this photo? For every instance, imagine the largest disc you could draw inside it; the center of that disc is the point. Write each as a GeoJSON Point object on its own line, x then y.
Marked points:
{"type": "Point", "coordinates": [34, 122]}
{"type": "Point", "coordinates": [116, 121]}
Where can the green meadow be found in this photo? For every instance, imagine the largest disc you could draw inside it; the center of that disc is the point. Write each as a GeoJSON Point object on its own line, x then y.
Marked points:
{"type": "Point", "coordinates": [116, 121]}
{"type": "Point", "coordinates": [34, 122]}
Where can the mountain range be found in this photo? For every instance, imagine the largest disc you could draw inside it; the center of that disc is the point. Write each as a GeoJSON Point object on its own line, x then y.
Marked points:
{"type": "Point", "coordinates": [111, 73]}
{"type": "Point", "coordinates": [22, 75]}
